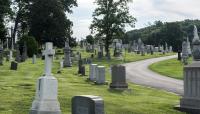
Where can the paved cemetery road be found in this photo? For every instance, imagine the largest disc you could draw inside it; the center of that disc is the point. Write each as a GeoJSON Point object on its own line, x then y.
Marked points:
{"type": "Point", "coordinates": [138, 72]}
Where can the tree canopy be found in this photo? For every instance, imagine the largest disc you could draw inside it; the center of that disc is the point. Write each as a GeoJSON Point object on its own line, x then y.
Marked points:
{"type": "Point", "coordinates": [48, 22]}
{"type": "Point", "coordinates": [110, 19]}
{"type": "Point", "coordinates": [4, 11]}
{"type": "Point", "coordinates": [170, 32]}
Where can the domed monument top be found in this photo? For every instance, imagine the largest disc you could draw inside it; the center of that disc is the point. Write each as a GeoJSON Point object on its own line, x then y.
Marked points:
{"type": "Point", "coordinates": [196, 45]}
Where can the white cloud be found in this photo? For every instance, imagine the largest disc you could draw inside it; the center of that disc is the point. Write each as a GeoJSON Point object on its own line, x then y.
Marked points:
{"type": "Point", "coordinates": [144, 10]}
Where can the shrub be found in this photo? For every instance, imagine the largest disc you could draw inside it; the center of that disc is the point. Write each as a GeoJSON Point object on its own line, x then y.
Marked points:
{"type": "Point", "coordinates": [32, 46]}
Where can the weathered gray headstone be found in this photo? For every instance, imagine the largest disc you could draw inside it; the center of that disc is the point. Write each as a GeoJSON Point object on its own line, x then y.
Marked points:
{"type": "Point", "coordinates": [100, 75]}
{"type": "Point", "coordinates": [166, 47]}
{"type": "Point", "coordinates": [152, 49]}
{"type": "Point", "coordinates": [46, 101]}
{"type": "Point", "coordinates": [189, 47]}
{"type": "Point", "coordinates": [81, 68]}
{"type": "Point", "coordinates": [80, 64]}
{"type": "Point", "coordinates": [156, 49]}
{"type": "Point", "coordinates": [34, 59]}
{"type": "Point", "coordinates": [140, 45]}
{"type": "Point", "coordinates": [185, 54]}
{"type": "Point", "coordinates": [142, 50]}
{"type": "Point", "coordinates": [87, 104]}
{"type": "Point", "coordinates": [100, 51]}
{"type": "Point", "coordinates": [67, 58]}
{"type": "Point", "coordinates": [118, 77]}
{"type": "Point", "coordinates": [148, 48]}
{"type": "Point", "coordinates": [14, 65]}
{"type": "Point", "coordinates": [170, 49]}
{"type": "Point", "coordinates": [117, 47]}
{"type": "Point", "coordinates": [93, 68]}
{"type": "Point", "coordinates": [61, 64]}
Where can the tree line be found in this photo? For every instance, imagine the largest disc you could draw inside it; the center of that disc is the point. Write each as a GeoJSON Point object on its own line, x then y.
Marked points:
{"type": "Point", "coordinates": [160, 32]}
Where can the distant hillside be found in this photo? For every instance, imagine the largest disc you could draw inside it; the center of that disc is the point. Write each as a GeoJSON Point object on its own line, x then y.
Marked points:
{"type": "Point", "coordinates": [159, 33]}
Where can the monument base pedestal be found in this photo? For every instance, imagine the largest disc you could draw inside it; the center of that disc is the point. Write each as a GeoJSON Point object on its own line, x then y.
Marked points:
{"type": "Point", "coordinates": [189, 105]}
{"type": "Point", "coordinates": [44, 112]}
{"type": "Point", "coordinates": [119, 86]}
{"type": "Point", "coordinates": [46, 97]}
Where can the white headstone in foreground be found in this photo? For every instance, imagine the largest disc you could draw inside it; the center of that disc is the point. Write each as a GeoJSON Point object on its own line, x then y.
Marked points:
{"type": "Point", "coordinates": [46, 101]}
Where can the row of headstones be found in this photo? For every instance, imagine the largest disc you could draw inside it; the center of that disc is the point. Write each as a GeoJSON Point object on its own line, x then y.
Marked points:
{"type": "Point", "coordinates": [118, 72]}
{"type": "Point", "coordinates": [20, 57]}
{"type": "Point", "coordinates": [14, 64]}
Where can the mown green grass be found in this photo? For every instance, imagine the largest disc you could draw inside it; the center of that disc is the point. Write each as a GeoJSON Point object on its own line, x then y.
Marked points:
{"type": "Point", "coordinates": [171, 68]}
{"type": "Point", "coordinates": [17, 90]}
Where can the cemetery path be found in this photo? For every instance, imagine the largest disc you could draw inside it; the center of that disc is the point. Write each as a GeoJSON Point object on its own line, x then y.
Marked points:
{"type": "Point", "coordinates": [139, 73]}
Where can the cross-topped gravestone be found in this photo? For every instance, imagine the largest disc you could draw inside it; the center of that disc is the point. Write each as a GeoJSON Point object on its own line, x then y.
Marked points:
{"type": "Point", "coordinates": [48, 52]}
{"type": "Point", "coordinates": [67, 59]}
{"type": "Point", "coordinates": [46, 101]}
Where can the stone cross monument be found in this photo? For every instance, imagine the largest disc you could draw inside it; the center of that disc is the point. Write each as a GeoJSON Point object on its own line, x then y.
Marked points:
{"type": "Point", "coordinates": [46, 101]}
{"type": "Point", "coordinates": [191, 98]}
{"type": "Point", "coordinates": [67, 59]}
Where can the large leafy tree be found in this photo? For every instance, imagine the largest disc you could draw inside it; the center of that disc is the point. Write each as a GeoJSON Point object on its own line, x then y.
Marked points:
{"type": "Point", "coordinates": [48, 21]}
{"type": "Point", "coordinates": [4, 11]}
{"type": "Point", "coordinates": [173, 34]}
{"type": "Point", "coordinates": [90, 39]}
{"type": "Point", "coordinates": [110, 19]}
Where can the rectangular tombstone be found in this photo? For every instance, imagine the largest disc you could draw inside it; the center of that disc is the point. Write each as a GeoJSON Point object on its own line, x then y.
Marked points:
{"type": "Point", "coordinates": [118, 77]}
{"type": "Point", "coordinates": [34, 59]}
{"type": "Point", "coordinates": [14, 65]}
{"type": "Point", "coordinates": [100, 75]}
{"type": "Point", "coordinates": [67, 59]}
{"type": "Point", "coordinates": [191, 98]}
{"type": "Point", "coordinates": [87, 104]}
{"type": "Point", "coordinates": [61, 64]}
{"type": "Point", "coordinates": [156, 49]}
{"type": "Point", "coordinates": [92, 75]}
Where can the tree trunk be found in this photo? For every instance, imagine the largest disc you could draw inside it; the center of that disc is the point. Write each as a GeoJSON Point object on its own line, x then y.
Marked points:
{"type": "Point", "coordinates": [16, 26]}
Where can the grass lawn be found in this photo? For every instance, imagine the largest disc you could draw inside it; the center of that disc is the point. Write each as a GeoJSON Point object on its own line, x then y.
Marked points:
{"type": "Point", "coordinates": [172, 68]}
{"type": "Point", "coordinates": [17, 90]}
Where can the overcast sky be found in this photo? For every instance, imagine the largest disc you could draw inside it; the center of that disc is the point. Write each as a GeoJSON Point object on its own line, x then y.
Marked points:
{"type": "Point", "coordinates": [144, 10]}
